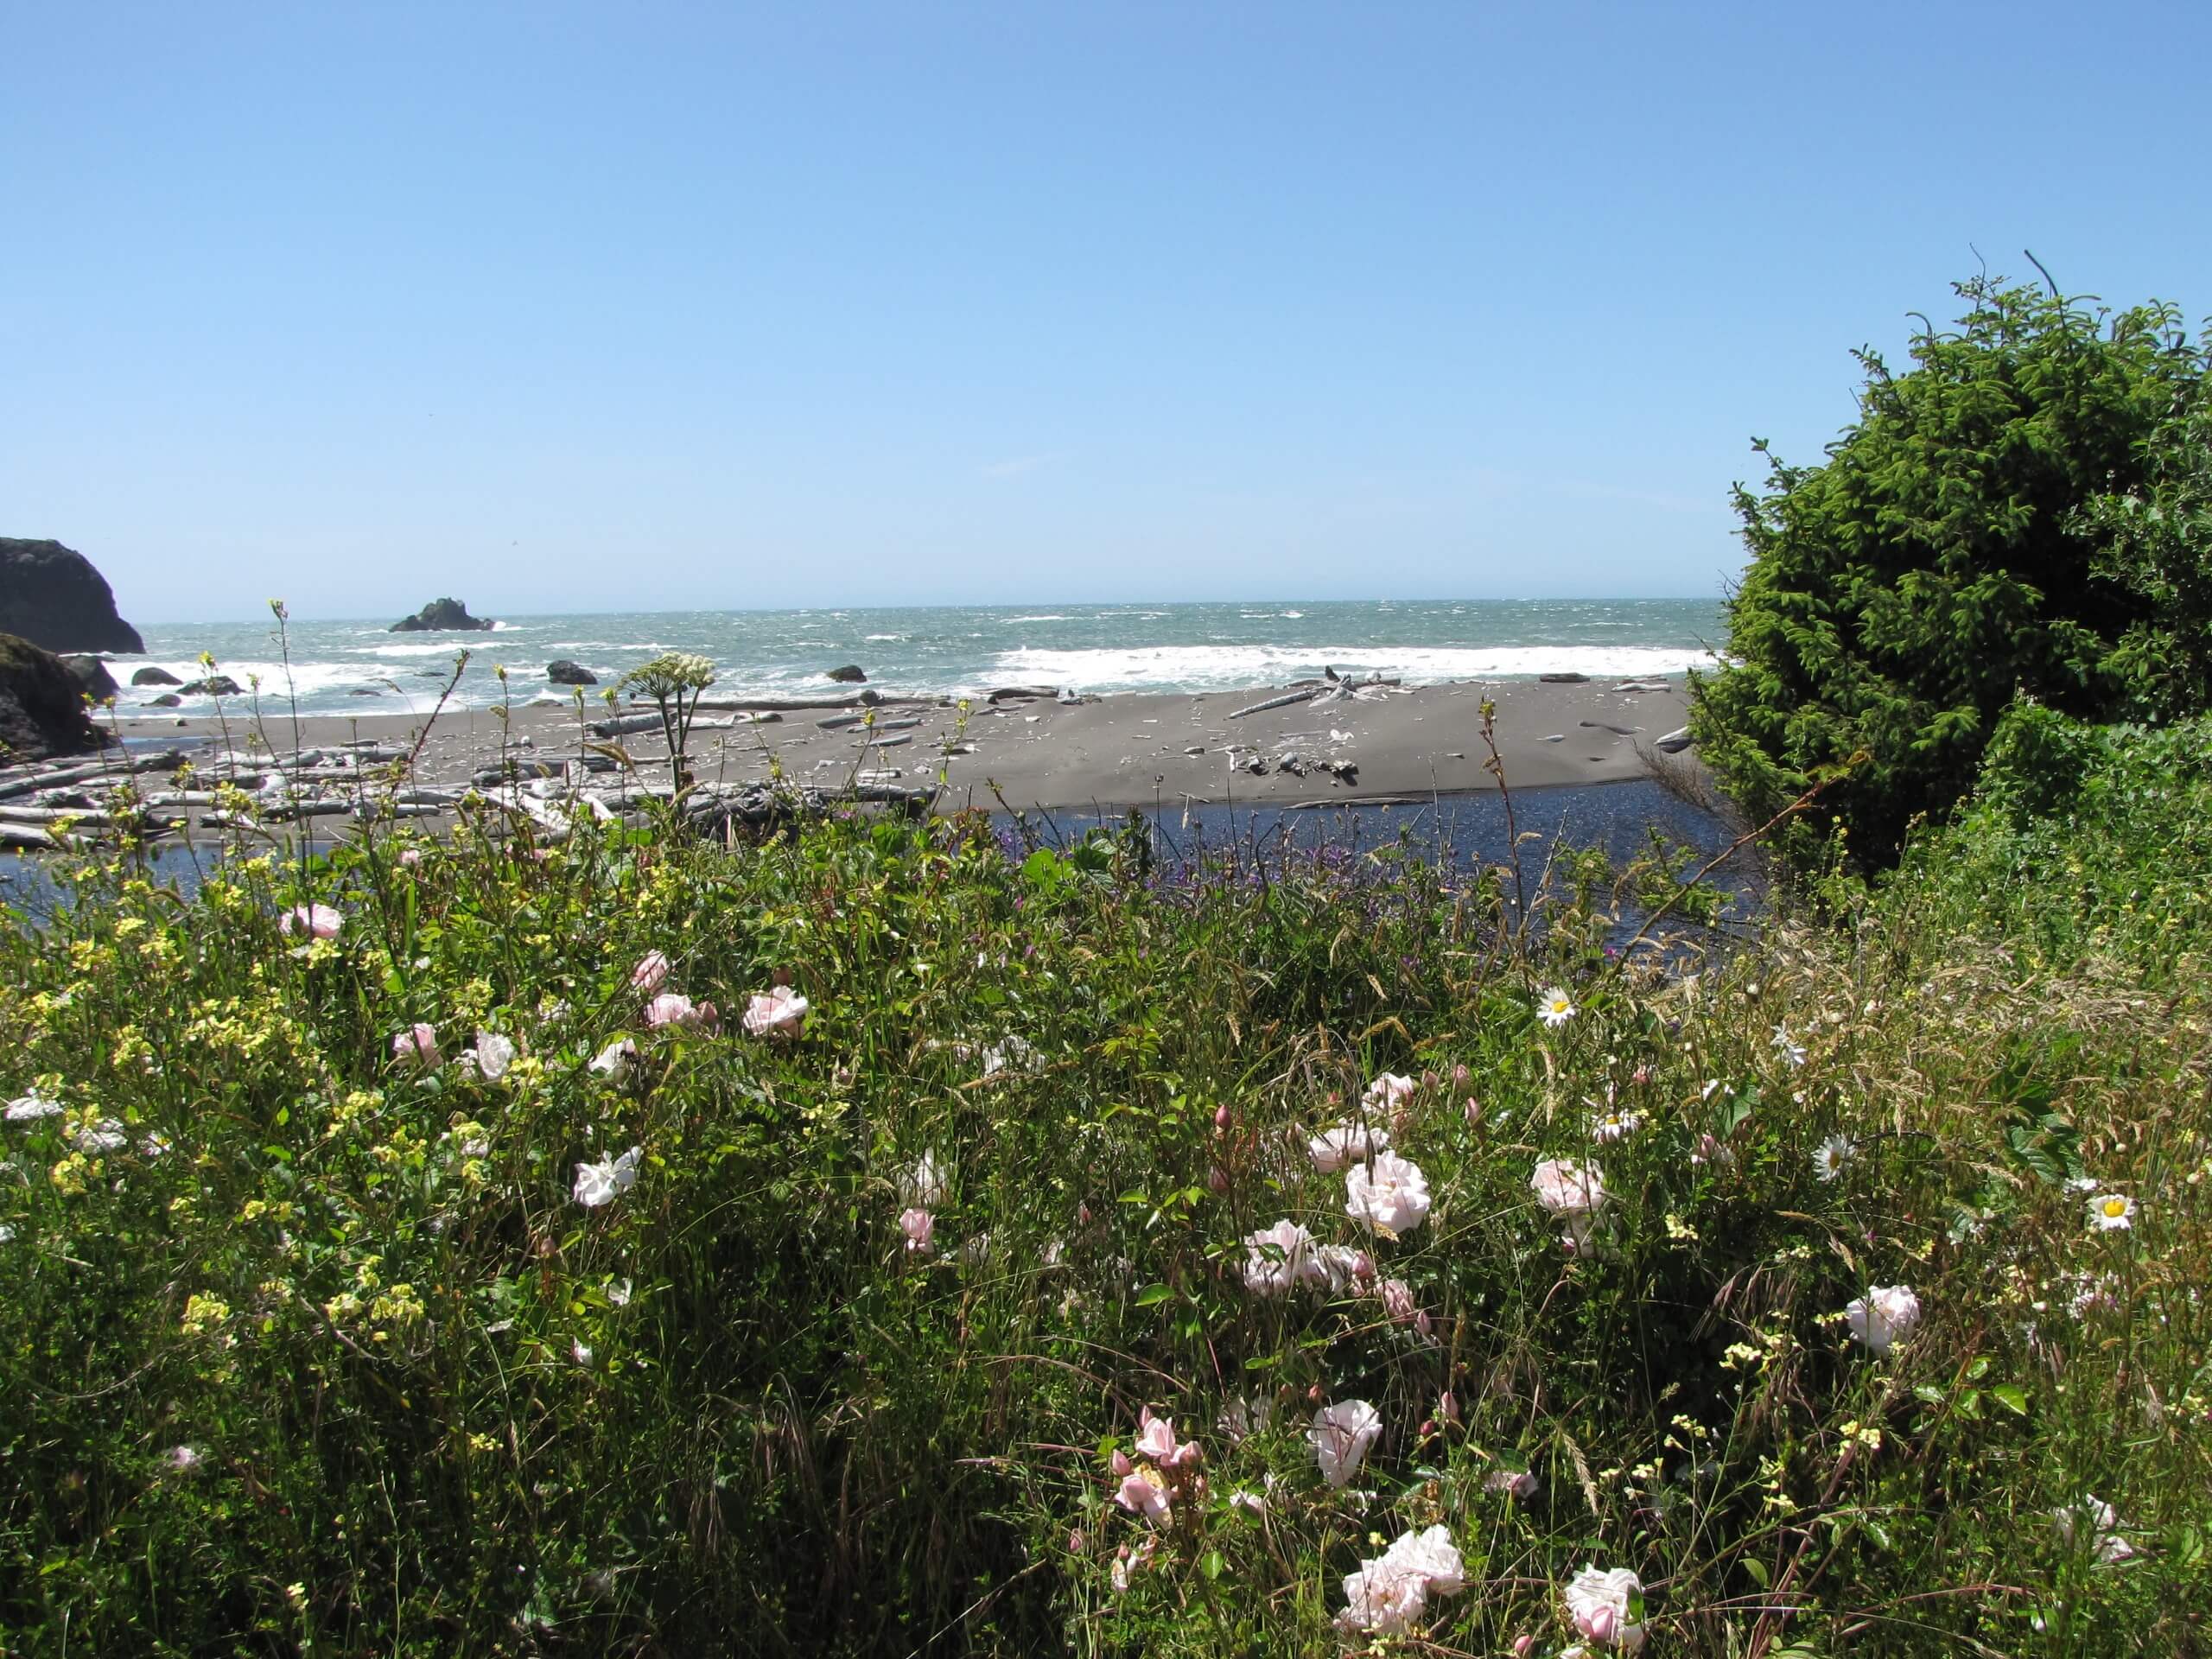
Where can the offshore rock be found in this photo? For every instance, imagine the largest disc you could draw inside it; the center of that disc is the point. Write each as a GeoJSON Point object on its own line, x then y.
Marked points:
{"type": "Point", "coordinates": [150, 675]}
{"type": "Point", "coordinates": [561, 671]}
{"type": "Point", "coordinates": [442, 616]}
{"type": "Point", "coordinates": [41, 711]}
{"type": "Point", "coordinates": [52, 597]}
{"type": "Point", "coordinates": [850, 674]}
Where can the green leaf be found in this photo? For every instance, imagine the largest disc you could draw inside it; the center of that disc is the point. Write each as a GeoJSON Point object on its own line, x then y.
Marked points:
{"type": "Point", "coordinates": [1152, 1294]}
{"type": "Point", "coordinates": [2012, 1396]}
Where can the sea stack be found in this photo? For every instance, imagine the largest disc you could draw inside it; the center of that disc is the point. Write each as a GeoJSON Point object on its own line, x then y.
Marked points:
{"type": "Point", "coordinates": [442, 616]}
{"type": "Point", "coordinates": [53, 597]}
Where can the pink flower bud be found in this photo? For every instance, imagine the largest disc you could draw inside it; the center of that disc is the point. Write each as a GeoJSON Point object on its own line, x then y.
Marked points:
{"type": "Point", "coordinates": [1428, 1079]}
{"type": "Point", "coordinates": [1473, 1110]}
{"type": "Point", "coordinates": [1223, 1117]}
{"type": "Point", "coordinates": [1120, 1463]}
{"type": "Point", "coordinates": [1523, 1645]}
{"type": "Point", "coordinates": [1218, 1178]}
{"type": "Point", "coordinates": [1459, 1076]}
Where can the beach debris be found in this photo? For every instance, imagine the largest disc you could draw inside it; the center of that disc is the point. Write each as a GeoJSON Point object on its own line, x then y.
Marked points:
{"type": "Point", "coordinates": [1336, 736]}
{"type": "Point", "coordinates": [1196, 748]}
{"type": "Point", "coordinates": [1618, 731]}
{"type": "Point", "coordinates": [1282, 702]}
{"type": "Point", "coordinates": [1675, 742]}
{"type": "Point", "coordinates": [1564, 679]}
{"type": "Point", "coordinates": [1556, 737]}
{"type": "Point", "coordinates": [1011, 693]}
{"type": "Point", "coordinates": [837, 721]}
{"type": "Point", "coordinates": [872, 741]}
{"type": "Point", "coordinates": [1292, 762]}
{"type": "Point", "coordinates": [1641, 685]}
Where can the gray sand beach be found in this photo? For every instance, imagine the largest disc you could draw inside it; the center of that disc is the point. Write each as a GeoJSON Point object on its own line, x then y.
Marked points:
{"type": "Point", "coordinates": [1379, 743]}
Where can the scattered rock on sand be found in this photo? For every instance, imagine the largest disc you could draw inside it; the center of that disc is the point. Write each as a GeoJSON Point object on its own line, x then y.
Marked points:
{"type": "Point", "coordinates": [850, 674]}
{"type": "Point", "coordinates": [561, 671]}
{"type": "Point", "coordinates": [442, 616]}
{"type": "Point", "coordinates": [155, 676]}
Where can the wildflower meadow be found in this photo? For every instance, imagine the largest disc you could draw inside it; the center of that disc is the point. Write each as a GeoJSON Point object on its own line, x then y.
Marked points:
{"type": "Point", "coordinates": [892, 1237]}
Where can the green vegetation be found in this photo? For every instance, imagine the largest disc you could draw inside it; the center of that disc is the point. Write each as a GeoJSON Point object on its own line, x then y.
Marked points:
{"type": "Point", "coordinates": [2001, 520]}
{"type": "Point", "coordinates": [324, 1336]}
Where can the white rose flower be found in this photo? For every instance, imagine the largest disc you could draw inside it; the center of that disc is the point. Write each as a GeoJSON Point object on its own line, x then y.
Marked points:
{"type": "Point", "coordinates": [1389, 1194]}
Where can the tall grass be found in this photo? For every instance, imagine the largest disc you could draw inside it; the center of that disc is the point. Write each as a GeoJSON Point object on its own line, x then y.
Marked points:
{"type": "Point", "coordinates": [310, 1345]}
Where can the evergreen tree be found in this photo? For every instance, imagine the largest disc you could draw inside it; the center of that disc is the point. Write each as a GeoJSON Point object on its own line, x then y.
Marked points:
{"type": "Point", "coordinates": [1937, 564]}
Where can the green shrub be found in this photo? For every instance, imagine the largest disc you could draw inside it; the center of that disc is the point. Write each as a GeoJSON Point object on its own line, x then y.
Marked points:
{"type": "Point", "coordinates": [1901, 593]}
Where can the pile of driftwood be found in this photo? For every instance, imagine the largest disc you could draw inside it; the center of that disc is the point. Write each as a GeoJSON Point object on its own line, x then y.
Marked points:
{"type": "Point", "coordinates": [104, 798]}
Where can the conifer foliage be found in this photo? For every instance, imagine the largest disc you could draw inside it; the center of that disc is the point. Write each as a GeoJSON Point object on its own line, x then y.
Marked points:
{"type": "Point", "coordinates": [1940, 562]}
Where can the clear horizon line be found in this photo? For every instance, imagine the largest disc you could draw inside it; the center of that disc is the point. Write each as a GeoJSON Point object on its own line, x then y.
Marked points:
{"type": "Point", "coordinates": [998, 605]}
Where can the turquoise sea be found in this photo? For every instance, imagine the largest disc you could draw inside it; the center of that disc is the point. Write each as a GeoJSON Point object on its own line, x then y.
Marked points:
{"type": "Point", "coordinates": [360, 667]}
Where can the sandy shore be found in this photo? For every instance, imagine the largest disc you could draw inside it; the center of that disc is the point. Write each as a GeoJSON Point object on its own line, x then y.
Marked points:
{"type": "Point", "coordinates": [1126, 750]}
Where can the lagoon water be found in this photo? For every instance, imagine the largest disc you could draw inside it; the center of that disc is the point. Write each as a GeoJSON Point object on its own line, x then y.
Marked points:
{"type": "Point", "coordinates": [335, 666]}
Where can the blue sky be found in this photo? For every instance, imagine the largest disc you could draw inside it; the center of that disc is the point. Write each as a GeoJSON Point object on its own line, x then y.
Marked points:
{"type": "Point", "coordinates": [648, 306]}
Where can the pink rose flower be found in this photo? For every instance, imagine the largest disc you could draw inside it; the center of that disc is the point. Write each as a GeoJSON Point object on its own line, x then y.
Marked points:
{"type": "Point", "coordinates": [1142, 1491]}
{"type": "Point", "coordinates": [670, 1009]}
{"type": "Point", "coordinates": [781, 1012]}
{"type": "Point", "coordinates": [316, 921]}
{"type": "Point", "coordinates": [650, 973]}
{"type": "Point", "coordinates": [418, 1043]}
{"type": "Point", "coordinates": [1156, 1438]}
{"type": "Point", "coordinates": [920, 1228]}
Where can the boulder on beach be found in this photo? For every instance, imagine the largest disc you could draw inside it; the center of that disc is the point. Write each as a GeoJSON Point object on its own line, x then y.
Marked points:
{"type": "Point", "coordinates": [850, 674]}
{"type": "Point", "coordinates": [561, 671]}
{"type": "Point", "coordinates": [150, 675]}
{"type": "Point", "coordinates": [91, 677]}
{"type": "Point", "coordinates": [442, 616]}
{"type": "Point", "coordinates": [166, 700]}
{"type": "Point", "coordinates": [52, 597]}
{"type": "Point", "coordinates": [41, 711]}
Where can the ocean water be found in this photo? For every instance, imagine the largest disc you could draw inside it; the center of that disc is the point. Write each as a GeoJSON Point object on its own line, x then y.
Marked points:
{"type": "Point", "coordinates": [360, 667]}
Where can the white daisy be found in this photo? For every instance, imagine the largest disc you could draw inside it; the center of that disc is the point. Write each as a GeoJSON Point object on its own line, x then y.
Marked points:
{"type": "Point", "coordinates": [1555, 1007]}
{"type": "Point", "coordinates": [2111, 1212]}
{"type": "Point", "coordinates": [1831, 1155]}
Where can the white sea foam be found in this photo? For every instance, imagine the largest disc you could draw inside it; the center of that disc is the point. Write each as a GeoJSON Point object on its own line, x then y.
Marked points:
{"type": "Point", "coordinates": [1049, 616]}
{"type": "Point", "coordinates": [310, 679]}
{"type": "Point", "coordinates": [1225, 665]}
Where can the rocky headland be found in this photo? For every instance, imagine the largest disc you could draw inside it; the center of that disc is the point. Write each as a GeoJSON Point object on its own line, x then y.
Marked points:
{"type": "Point", "coordinates": [53, 597]}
